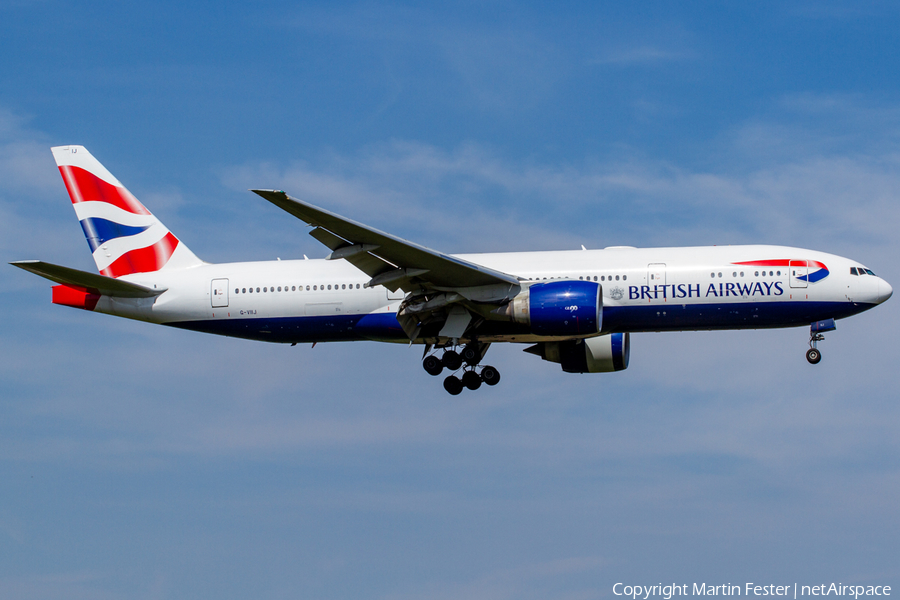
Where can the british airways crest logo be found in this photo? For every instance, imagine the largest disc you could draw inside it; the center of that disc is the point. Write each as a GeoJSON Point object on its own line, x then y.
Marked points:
{"type": "Point", "coordinates": [811, 271]}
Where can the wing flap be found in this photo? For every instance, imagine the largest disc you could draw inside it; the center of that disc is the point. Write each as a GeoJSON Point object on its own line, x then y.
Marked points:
{"type": "Point", "coordinates": [366, 262]}
{"type": "Point", "coordinates": [107, 286]}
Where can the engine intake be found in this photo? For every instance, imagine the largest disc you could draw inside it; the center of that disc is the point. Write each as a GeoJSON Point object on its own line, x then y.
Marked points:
{"type": "Point", "coordinates": [601, 354]}
{"type": "Point", "coordinates": [559, 308]}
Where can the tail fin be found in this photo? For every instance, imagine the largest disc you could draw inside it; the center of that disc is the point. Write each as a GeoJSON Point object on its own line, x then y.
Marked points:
{"type": "Point", "coordinates": [124, 236]}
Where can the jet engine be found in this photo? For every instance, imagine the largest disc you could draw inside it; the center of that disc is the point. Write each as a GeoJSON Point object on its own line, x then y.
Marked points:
{"type": "Point", "coordinates": [601, 354]}
{"type": "Point", "coordinates": [559, 308]}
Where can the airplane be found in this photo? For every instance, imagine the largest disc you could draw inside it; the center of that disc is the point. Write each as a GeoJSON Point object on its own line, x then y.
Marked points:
{"type": "Point", "coordinates": [576, 308]}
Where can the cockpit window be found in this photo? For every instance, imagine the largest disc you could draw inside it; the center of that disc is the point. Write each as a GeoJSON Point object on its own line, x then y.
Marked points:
{"type": "Point", "coordinates": [869, 271]}
{"type": "Point", "coordinates": [853, 271]}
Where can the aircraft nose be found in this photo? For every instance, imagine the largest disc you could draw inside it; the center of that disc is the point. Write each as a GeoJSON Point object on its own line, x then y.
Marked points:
{"type": "Point", "coordinates": [885, 290]}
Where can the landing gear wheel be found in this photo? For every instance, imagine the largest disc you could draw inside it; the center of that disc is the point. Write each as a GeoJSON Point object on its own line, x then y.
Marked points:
{"type": "Point", "coordinates": [471, 380]}
{"type": "Point", "coordinates": [490, 375]}
{"type": "Point", "coordinates": [452, 360]}
{"type": "Point", "coordinates": [453, 385]}
{"type": "Point", "coordinates": [813, 356]}
{"type": "Point", "coordinates": [433, 365]}
{"type": "Point", "coordinates": [471, 355]}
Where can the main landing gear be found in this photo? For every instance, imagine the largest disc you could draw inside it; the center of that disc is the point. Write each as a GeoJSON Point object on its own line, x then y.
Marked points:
{"type": "Point", "coordinates": [467, 359]}
{"type": "Point", "coordinates": [816, 335]}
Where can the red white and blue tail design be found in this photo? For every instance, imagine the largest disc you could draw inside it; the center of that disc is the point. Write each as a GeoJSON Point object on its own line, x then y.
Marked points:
{"type": "Point", "coordinates": [124, 237]}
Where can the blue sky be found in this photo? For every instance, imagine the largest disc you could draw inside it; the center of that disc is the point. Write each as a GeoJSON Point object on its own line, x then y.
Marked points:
{"type": "Point", "coordinates": [141, 462]}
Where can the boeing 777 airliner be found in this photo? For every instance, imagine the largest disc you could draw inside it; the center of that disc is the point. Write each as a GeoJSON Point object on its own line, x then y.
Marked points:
{"type": "Point", "coordinates": [575, 308]}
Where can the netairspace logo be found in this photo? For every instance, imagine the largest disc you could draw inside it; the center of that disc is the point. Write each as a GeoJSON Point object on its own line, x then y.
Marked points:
{"type": "Point", "coordinates": [644, 592]}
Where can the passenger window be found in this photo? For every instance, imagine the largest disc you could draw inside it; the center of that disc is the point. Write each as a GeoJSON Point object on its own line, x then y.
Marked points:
{"type": "Point", "coordinates": [595, 278]}
{"type": "Point", "coordinates": [257, 290]}
{"type": "Point", "coordinates": [617, 277]}
{"type": "Point", "coordinates": [776, 272]}
{"type": "Point", "coordinates": [243, 290]}
{"type": "Point", "coordinates": [756, 273]}
{"type": "Point", "coordinates": [236, 291]}
{"type": "Point", "coordinates": [624, 277]}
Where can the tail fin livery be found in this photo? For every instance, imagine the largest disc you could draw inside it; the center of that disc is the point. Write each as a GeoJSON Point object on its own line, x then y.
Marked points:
{"type": "Point", "coordinates": [124, 236]}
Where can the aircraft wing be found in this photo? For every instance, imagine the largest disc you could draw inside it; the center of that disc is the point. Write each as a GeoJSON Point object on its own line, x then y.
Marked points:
{"type": "Point", "coordinates": [387, 259]}
{"type": "Point", "coordinates": [106, 286]}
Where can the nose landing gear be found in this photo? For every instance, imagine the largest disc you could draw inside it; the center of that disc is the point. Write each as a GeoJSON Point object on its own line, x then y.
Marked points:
{"type": "Point", "coordinates": [816, 334]}
{"type": "Point", "coordinates": [467, 359]}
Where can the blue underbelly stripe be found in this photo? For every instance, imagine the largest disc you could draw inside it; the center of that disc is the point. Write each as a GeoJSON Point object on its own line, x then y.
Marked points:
{"type": "Point", "coordinates": [668, 317]}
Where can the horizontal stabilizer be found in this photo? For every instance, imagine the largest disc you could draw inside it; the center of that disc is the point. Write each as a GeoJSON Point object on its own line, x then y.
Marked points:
{"type": "Point", "coordinates": [107, 286]}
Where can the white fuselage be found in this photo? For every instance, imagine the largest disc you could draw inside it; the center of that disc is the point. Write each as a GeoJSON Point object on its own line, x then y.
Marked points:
{"type": "Point", "coordinates": [644, 289]}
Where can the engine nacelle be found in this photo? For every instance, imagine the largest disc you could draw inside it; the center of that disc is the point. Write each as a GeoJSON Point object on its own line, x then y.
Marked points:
{"type": "Point", "coordinates": [559, 308]}
{"type": "Point", "coordinates": [601, 354]}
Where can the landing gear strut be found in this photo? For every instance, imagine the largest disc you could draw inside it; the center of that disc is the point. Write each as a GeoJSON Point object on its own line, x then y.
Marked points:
{"type": "Point", "coordinates": [467, 359]}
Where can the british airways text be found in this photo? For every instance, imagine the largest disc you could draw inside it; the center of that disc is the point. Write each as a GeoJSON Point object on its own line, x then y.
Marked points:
{"type": "Point", "coordinates": [685, 290]}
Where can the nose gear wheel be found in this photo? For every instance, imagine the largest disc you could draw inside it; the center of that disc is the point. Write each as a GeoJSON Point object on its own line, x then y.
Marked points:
{"type": "Point", "coordinates": [813, 356]}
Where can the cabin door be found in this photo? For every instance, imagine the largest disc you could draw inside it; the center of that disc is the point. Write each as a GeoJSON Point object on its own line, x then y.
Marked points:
{"type": "Point", "coordinates": [656, 274]}
{"type": "Point", "coordinates": [799, 272]}
{"type": "Point", "coordinates": [218, 293]}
